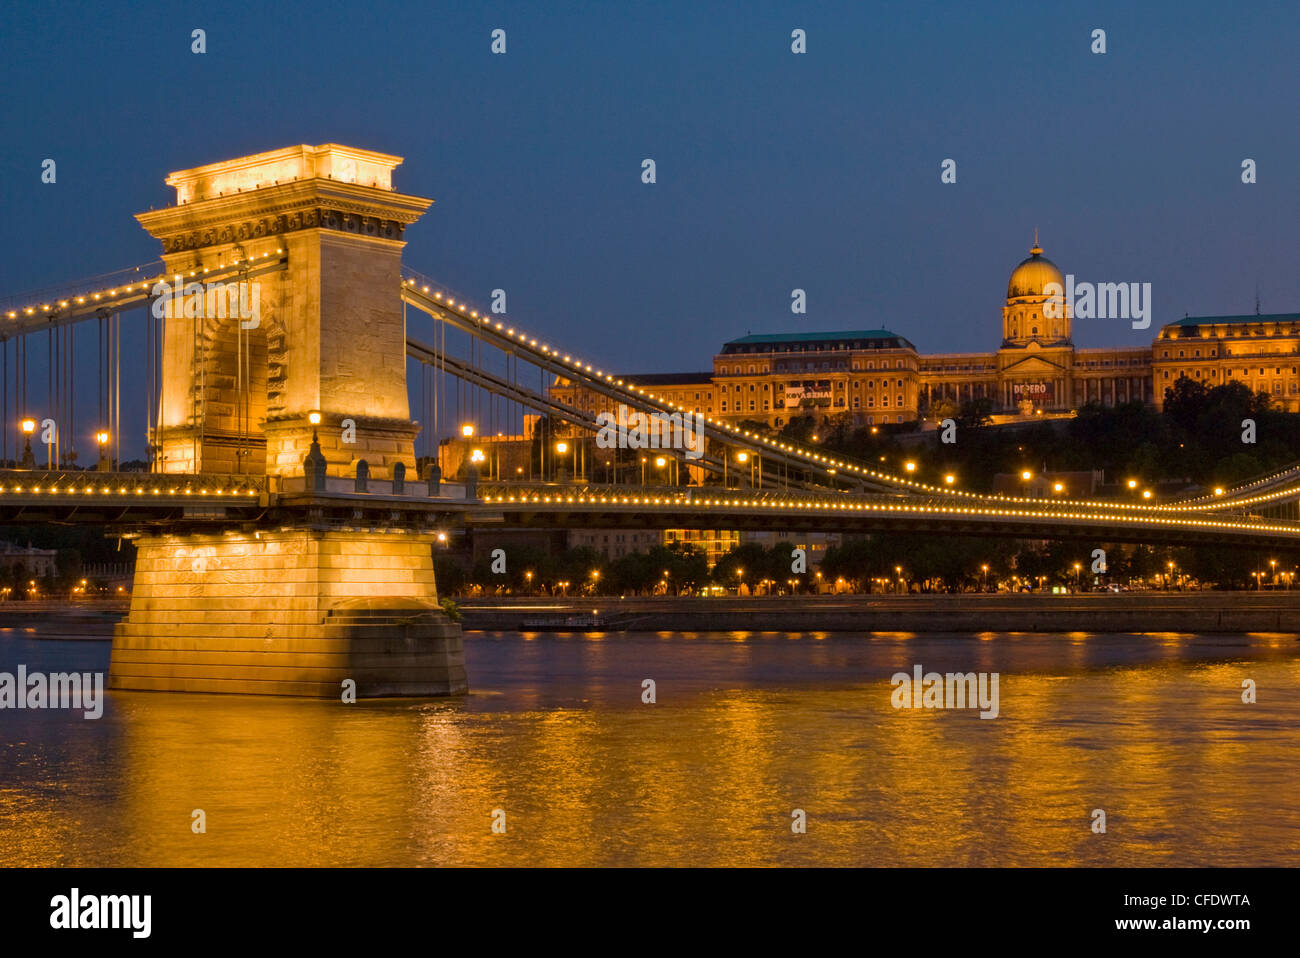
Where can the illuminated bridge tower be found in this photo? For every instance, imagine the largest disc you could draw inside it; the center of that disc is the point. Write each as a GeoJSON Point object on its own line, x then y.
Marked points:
{"type": "Point", "coordinates": [328, 336]}
{"type": "Point", "coordinates": [298, 604]}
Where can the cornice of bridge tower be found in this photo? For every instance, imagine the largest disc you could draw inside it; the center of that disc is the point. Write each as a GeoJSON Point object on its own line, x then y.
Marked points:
{"type": "Point", "coordinates": [333, 187]}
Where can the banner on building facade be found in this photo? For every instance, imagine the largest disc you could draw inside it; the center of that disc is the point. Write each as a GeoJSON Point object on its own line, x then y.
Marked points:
{"type": "Point", "coordinates": [818, 391]}
{"type": "Point", "coordinates": [1040, 394]}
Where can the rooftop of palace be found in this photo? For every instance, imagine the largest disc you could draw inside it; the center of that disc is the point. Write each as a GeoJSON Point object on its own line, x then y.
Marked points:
{"type": "Point", "coordinates": [668, 379]}
{"type": "Point", "coordinates": [842, 339]}
{"type": "Point", "coordinates": [1192, 321]}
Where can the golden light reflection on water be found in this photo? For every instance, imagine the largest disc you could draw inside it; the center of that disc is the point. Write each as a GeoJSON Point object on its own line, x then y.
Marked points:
{"type": "Point", "coordinates": [708, 775]}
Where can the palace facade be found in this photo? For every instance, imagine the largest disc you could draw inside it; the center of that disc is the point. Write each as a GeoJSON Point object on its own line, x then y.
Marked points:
{"type": "Point", "coordinates": [878, 377]}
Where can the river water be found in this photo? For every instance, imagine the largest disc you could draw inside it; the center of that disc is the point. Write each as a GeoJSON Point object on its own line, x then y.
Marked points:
{"type": "Point", "coordinates": [746, 728]}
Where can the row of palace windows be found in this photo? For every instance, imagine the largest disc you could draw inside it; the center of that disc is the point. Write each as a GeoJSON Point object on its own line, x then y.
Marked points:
{"type": "Point", "coordinates": [739, 406]}
{"type": "Point", "coordinates": [1208, 332]}
{"type": "Point", "coordinates": [807, 366]}
{"type": "Point", "coordinates": [1228, 374]}
{"type": "Point", "coordinates": [870, 384]}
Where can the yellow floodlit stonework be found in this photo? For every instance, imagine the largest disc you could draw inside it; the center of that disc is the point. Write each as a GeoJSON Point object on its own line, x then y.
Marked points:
{"type": "Point", "coordinates": [346, 164]}
{"type": "Point", "coordinates": [287, 613]}
{"type": "Point", "coordinates": [321, 230]}
{"type": "Point", "coordinates": [304, 608]}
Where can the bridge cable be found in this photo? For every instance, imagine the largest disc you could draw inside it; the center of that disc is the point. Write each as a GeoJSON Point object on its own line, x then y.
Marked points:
{"type": "Point", "coordinates": [69, 382]}
{"type": "Point", "coordinates": [50, 448]}
{"type": "Point", "coordinates": [100, 368]}
{"type": "Point", "coordinates": [148, 401]}
{"type": "Point", "coordinates": [117, 399]}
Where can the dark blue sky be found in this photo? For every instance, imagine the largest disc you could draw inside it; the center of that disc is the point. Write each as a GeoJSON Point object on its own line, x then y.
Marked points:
{"type": "Point", "coordinates": [775, 170]}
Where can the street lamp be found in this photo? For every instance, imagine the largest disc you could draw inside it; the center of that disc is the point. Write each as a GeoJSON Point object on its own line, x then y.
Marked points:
{"type": "Point", "coordinates": [1146, 493]}
{"type": "Point", "coordinates": [1132, 483]}
{"type": "Point", "coordinates": [1077, 569]}
{"type": "Point", "coordinates": [1170, 566]}
{"type": "Point", "coordinates": [949, 479]}
{"type": "Point", "coordinates": [313, 417]}
{"type": "Point", "coordinates": [528, 579]}
{"type": "Point", "coordinates": [467, 431]}
{"type": "Point", "coordinates": [561, 448]}
{"type": "Point", "coordinates": [985, 569]}
{"type": "Point", "coordinates": [1058, 487]}
{"type": "Point", "coordinates": [101, 437]}
{"type": "Point", "coordinates": [909, 466]}
{"type": "Point", "coordinates": [29, 427]}
{"type": "Point", "coordinates": [1026, 475]}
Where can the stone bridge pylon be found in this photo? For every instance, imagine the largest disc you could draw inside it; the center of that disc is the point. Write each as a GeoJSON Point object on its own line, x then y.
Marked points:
{"type": "Point", "coordinates": [308, 342]}
{"type": "Point", "coordinates": [328, 337]}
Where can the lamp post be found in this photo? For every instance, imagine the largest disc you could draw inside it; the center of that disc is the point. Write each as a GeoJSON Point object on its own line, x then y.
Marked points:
{"type": "Point", "coordinates": [1272, 563]}
{"type": "Point", "coordinates": [105, 464]}
{"type": "Point", "coordinates": [985, 570]}
{"type": "Point", "coordinates": [561, 448]}
{"type": "Point", "coordinates": [1078, 568]}
{"type": "Point", "coordinates": [467, 431]}
{"type": "Point", "coordinates": [528, 579]}
{"type": "Point", "coordinates": [476, 458]}
{"type": "Point", "coordinates": [742, 457]}
{"type": "Point", "coordinates": [29, 427]}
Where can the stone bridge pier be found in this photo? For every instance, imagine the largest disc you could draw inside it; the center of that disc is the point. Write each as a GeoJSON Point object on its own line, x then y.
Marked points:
{"type": "Point", "coordinates": [296, 607]}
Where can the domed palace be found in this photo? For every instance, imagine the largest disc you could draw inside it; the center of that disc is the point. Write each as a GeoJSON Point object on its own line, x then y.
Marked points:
{"type": "Point", "coordinates": [877, 376]}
